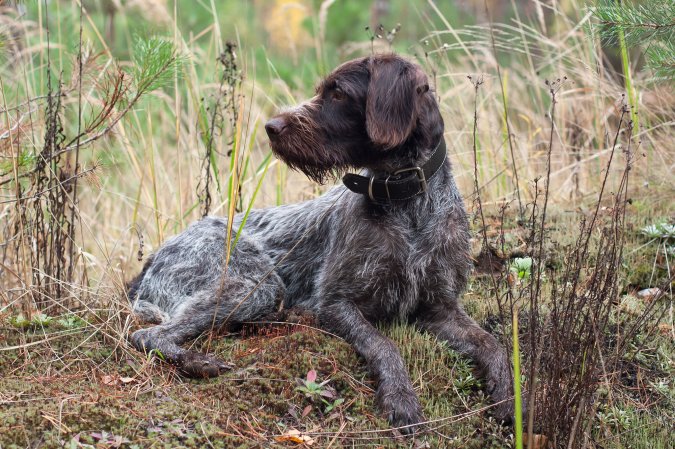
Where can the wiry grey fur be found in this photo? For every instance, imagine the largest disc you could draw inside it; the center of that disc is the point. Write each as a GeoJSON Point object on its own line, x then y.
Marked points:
{"type": "Point", "coordinates": [350, 261]}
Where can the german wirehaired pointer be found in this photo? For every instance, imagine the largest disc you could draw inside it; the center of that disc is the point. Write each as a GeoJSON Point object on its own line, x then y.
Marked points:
{"type": "Point", "coordinates": [392, 244]}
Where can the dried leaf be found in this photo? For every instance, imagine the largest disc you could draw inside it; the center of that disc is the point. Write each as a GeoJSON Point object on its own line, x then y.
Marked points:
{"type": "Point", "coordinates": [328, 393]}
{"type": "Point", "coordinates": [109, 379]}
{"type": "Point", "coordinates": [311, 375]}
{"type": "Point", "coordinates": [294, 436]}
{"type": "Point", "coordinates": [538, 441]}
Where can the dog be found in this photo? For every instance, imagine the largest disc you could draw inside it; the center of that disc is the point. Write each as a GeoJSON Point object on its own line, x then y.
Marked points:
{"type": "Point", "coordinates": [391, 244]}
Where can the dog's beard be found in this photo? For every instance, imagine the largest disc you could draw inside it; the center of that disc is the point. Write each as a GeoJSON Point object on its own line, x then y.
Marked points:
{"type": "Point", "coordinates": [307, 151]}
{"type": "Point", "coordinates": [323, 176]}
{"type": "Point", "coordinates": [319, 171]}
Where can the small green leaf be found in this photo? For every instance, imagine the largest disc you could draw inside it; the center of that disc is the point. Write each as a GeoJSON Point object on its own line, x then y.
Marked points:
{"type": "Point", "coordinates": [19, 321]}
{"type": "Point", "coordinates": [522, 266]}
{"type": "Point", "coordinates": [156, 353]}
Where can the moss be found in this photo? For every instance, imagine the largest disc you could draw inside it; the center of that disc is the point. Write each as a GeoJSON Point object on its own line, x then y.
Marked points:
{"type": "Point", "coordinates": [254, 402]}
{"type": "Point", "coordinates": [54, 391]}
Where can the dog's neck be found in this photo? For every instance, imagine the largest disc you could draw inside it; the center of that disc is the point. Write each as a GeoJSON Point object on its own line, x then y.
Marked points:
{"type": "Point", "coordinates": [405, 181]}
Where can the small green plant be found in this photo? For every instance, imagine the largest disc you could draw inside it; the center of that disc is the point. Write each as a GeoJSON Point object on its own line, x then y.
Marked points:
{"type": "Point", "coordinates": [517, 398]}
{"type": "Point", "coordinates": [332, 405]}
{"type": "Point", "coordinates": [616, 418]}
{"type": "Point", "coordinates": [24, 160]}
{"type": "Point", "coordinates": [465, 384]}
{"type": "Point", "coordinates": [664, 231]}
{"type": "Point", "coordinates": [522, 267]}
{"type": "Point", "coordinates": [19, 321]}
{"type": "Point", "coordinates": [71, 322]}
{"type": "Point", "coordinates": [319, 390]}
{"type": "Point", "coordinates": [38, 320]}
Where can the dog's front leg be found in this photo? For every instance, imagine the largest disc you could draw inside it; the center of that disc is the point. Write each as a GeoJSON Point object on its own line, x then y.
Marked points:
{"type": "Point", "coordinates": [450, 323]}
{"type": "Point", "coordinates": [395, 394]}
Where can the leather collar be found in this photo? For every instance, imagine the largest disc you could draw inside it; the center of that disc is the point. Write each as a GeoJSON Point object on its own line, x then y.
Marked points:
{"type": "Point", "coordinates": [402, 184]}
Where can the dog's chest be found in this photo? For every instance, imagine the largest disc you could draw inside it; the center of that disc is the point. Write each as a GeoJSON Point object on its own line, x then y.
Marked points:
{"type": "Point", "coordinates": [400, 266]}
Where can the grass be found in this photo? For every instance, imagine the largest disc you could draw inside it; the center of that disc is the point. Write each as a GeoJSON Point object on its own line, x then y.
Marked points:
{"type": "Point", "coordinates": [73, 378]}
{"type": "Point", "coordinates": [148, 163]}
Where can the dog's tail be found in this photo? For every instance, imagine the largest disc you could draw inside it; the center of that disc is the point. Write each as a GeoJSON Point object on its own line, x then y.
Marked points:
{"type": "Point", "coordinates": [144, 309]}
{"type": "Point", "coordinates": [134, 285]}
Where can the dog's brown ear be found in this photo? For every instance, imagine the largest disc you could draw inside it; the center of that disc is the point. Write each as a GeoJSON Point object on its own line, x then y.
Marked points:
{"type": "Point", "coordinates": [393, 100]}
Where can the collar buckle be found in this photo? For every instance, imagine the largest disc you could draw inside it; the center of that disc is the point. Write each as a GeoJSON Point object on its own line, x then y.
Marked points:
{"type": "Point", "coordinates": [401, 184]}
{"type": "Point", "coordinates": [420, 176]}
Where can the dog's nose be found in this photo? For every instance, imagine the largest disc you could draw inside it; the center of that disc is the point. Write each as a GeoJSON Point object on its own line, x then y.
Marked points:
{"type": "Point", "coordinates": [275, 126]}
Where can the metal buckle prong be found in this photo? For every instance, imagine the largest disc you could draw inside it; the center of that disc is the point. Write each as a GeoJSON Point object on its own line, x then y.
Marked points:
{"type": "Point", "coordinates": [420, 176]}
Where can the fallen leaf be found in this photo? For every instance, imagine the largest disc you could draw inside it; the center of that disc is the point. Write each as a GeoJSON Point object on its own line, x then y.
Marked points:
{"type": "Point", "coordinates": [294, 436]}
{"type": "Point", "coordinates": [665, 328]}
{"type": "Point", "coordinates": [109, 379]}
{"type": "Point", "coordinates": [538, 441]}
{"type": "Point", "coordinates": [306, 411]}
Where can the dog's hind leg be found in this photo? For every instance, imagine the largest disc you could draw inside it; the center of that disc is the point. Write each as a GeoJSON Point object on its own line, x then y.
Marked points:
{"type": "Point", "coordinates": [247, 291]}
{"type": "Point", "coordinates": [164, 341]}
{"type": "Point", "coordinates": [239, 300]}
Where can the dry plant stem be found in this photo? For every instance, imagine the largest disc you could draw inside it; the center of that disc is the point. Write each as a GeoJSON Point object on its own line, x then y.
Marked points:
{"type": "Point", "coordinates": [579, 317]}
{"type": "Point", "coordinates": [228, 90]}
{"type": "Point", "coordinates": [114, 122]}
{"type": "Point", "coordinates": [73, 206]}
{"type": "Point", "coordinates": [534, 297]}
{"type": "Point", "coordinates": [476, 84]}
{"type": "Point", "coordinates": [209, 154]}
{"type": "Point", "coordinates": [36, 195]}
{"type": "Point", "coordinates": [582, 254]}
{"type": "Point", "coordinates": [521, 212]}
{"type": "Point", "coordinates": [114, 94]}
{"type": "Point", "coordinates": [24, 278]}
{"type": "Point", "coordinates": [575, 425]}
{"type": "Point", "coordinates": [51, 231]}
{"type": "Point", "coordinates": [54, 182]}
{"type": "Point", "coordinates": [535, 346]}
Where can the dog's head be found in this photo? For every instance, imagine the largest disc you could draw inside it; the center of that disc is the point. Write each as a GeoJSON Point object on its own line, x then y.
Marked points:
{"type": "Point", "coordinates": [371, 112]}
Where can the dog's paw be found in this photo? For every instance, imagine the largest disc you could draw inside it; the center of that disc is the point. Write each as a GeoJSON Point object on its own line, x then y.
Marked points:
{"type": "Point", "coordinates": [504, 408]}
{"type": "Point", "coordinates": [201, 366]}
{"type": "Point", "coordinates": [499, 386]}
{"type": "Point", "coordinates": [142, 340]}
{"type": "Point", "coordinates": [401, 407]}
{"type": "Point", "coordinates": [503, 411]}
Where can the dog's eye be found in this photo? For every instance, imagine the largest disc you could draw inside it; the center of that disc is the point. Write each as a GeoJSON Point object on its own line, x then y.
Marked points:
{"type": "Point", "coordinates": [338, 94]}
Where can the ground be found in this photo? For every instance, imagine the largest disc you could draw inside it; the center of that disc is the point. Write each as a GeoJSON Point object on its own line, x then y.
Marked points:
{"type": "Point", "coordinates": [80, 387]}
{"type": "Point", "coordinates": [73, 381]}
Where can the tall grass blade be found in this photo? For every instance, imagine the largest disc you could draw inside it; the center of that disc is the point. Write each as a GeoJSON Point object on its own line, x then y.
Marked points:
{"type": "Point", "coordinates": [518, 402]}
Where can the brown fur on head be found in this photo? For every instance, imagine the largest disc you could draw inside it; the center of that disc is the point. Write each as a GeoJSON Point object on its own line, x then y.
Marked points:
{"type": "Point", "coordinates": [370, 112]}
{"type": "Point", "coordinates": [393, 105]}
